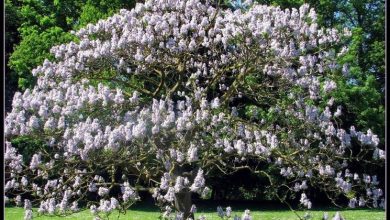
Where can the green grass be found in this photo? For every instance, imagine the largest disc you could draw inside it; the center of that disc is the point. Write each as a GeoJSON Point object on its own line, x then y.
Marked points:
{"type": "Point", "coordinates": [149, 212]}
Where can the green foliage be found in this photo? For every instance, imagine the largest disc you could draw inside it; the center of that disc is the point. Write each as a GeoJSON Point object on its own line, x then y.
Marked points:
{"type": "Point", "coordinates": [93, 11]}
{"type": "Point", "coordinates": [11, 38]}
{"type": "Point", "coordinates": [362, 93]}
{"type": "Point", "coordinates": [33, 50]}
{"type": "Point", "coordinates": [27, 146]}
{"type": "Point", "coordinates": [11, 25]}
{"type": "Point", "coordinates": [44, 24]}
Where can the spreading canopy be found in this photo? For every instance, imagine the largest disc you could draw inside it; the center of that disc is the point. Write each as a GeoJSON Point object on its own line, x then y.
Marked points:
{"type": "Point", "coordinates": [171, 92]}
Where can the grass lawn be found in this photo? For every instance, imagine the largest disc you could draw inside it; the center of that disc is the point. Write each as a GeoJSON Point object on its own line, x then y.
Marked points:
{"type": "Point", "coordinates": [149, 212]}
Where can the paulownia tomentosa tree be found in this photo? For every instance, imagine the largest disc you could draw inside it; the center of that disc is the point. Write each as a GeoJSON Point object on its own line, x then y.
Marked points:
{"type": "Point", "coordinates": [172, 92]}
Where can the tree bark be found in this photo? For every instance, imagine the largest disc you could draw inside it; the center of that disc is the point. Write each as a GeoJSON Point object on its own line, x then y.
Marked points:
{"type": "Point", "coordinates": [183, 203]}
{"type": "Point", "coordinates": [183, 199]}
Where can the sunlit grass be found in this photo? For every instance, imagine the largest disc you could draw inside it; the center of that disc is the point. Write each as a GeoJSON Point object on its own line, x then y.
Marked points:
{"type": "Point", "coordinates": [149, 212]}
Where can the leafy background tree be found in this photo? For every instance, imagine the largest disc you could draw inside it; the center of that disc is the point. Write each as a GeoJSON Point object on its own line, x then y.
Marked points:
{"type": "Point", "coordinates": [12, 22]}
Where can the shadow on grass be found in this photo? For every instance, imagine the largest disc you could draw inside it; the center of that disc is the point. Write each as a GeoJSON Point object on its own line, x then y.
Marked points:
{"type": "Point", "coordinates": [209, 206]}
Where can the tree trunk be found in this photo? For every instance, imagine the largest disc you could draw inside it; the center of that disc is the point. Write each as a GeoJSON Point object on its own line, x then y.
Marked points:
{"type": "Point", "coordinates": [183, 203]}
{"type": "Point", "coordinates": [183, 199]}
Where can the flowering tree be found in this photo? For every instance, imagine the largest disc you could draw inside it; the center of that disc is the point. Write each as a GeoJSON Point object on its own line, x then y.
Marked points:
{"type": "Point", "coordinates": [172, 92]}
